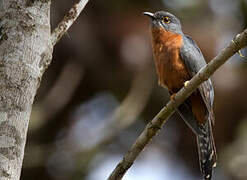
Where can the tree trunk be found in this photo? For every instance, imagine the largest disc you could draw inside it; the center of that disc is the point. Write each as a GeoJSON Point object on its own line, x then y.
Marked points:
{"type": "Point", "coordinates": [25, 52]}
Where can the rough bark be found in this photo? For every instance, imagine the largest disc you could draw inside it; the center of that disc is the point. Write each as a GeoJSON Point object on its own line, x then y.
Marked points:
{"type": "Point", "coordinates": [25, 52]}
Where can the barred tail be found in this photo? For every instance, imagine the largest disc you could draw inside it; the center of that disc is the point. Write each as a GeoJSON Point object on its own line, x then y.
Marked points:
{"type": "Point", "coordinates": [206, 150]}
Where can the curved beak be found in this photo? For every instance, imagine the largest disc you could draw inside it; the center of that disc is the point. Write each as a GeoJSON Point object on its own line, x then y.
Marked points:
{"type": "Point", "coordinates": [149, 14]}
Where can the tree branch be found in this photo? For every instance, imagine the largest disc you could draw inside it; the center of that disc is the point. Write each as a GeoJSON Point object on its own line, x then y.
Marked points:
{"type": "Point", "coordinates": [155, 125]}
{"type": "Point", "coordinates": [67, 21]}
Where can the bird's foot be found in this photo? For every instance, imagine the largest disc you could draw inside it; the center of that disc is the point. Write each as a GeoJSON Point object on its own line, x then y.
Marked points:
{"type": "Point", "coordinates": [186, 83]}
{"type": "Point", "coordinates": [172, 97]}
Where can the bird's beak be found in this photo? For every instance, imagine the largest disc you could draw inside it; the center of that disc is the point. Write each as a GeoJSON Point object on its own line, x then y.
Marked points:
{"type": "Point", "coordinates": [149, 14]}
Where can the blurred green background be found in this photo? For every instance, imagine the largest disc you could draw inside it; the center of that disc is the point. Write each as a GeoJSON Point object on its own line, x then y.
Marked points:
{"type": "Point", "coordinates": [101, 89]}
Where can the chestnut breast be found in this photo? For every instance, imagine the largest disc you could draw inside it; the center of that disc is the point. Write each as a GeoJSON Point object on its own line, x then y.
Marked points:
{"type": "Point", "coordinates": [171, 70]}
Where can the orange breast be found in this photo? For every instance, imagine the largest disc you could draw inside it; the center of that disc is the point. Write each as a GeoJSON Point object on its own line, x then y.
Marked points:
{"type": "Point", "coordinates": [171, 70]}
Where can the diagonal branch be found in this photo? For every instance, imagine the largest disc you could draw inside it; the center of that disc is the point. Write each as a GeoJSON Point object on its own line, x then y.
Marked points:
{"type": "Point", "coordinates": [67, 21]}
{"type": "Point", "coordinates": [155, 125]}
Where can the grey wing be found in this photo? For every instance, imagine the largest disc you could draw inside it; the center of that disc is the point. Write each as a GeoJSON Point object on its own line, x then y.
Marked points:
{"type": "Point", "coordinates": [194, 61]}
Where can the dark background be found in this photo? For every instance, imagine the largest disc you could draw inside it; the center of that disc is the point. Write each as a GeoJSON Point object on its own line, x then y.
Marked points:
{"type": "Point", "coordinates": [101, 89]}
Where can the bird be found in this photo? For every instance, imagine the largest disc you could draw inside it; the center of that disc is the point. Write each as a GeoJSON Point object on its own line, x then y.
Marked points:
{"type": "Point", "coordinates": [177, 59]}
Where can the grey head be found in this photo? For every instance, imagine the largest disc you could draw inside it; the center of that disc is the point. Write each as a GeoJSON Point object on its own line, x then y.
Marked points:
{"type": "Point", "coordinates": [166, 20]}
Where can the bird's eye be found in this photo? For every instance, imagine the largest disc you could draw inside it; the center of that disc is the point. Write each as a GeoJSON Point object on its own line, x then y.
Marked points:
{"type": "Point", "coordinates": [166, 20]}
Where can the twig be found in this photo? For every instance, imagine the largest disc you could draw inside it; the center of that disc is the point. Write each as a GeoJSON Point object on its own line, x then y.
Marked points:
{"type": "Point", "coordinates": [156, 124]}
{"type": "Point", "coordinates": [67, 21]}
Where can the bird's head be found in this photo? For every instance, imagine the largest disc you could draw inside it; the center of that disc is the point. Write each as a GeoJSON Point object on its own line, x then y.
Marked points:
{"type": "Point", "coordinates": [165, 20]}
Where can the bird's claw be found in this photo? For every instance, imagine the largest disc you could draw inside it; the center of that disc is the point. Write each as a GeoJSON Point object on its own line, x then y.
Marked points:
{"type": "Point", "coordinates": [186, 83]}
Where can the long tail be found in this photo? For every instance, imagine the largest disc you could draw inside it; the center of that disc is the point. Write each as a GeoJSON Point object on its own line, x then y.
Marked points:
{"type": "Point", "coordinates": [206, 150]}
{"type": "Point", "coordinates": [205, 139]}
